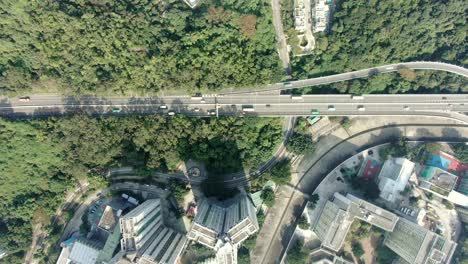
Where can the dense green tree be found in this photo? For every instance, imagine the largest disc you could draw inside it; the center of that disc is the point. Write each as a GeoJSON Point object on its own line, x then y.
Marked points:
{"type": "Point", "coordinates": [42, 159]}
{"type": "Point", "coordinates": [385, 255]}
{"type": "Point", "coordinates": [461, 151]}
{"type": "Point", "coordinates": [300, 144]}
{"type": "Point", "coordinates": [302, 223]}
{"type": "Point", "coordinates": [296, 253]}
{"type": "Point", "coordinates": [366, 33]}
{"type": "Point", "coordinates": [268, 196]}
{"type": "Point", "coordinates": [369, 188]}
{"type": "Point", "coordinates": [32, 182]}
{"type": "Point", "coordinates": [143, 46]}
{"type": "Point", "coordinates": [178, 189]}
{"type": "Point", "coordinates": [396, 149]}
{"type": "Point", "coordinates": [281, 172]}
{"type": "Point", "coordinates": [356, 248]}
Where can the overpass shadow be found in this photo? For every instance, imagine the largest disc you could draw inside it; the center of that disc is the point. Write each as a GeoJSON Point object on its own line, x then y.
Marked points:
{"type": "Point", "coordinates": [86, 104]}
{"type": "Point", "coordinates": [142, 106]}
{"type": "Point", "coordinates": [5, 110]}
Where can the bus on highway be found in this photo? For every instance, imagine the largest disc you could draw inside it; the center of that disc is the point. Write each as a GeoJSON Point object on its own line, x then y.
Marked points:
{"type": "Point", "coordinates": [248, 109]}
{"type": "Point", "coordinates": [315, 112]}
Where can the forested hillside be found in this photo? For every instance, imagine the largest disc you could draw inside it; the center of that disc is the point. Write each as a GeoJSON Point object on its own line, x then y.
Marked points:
{"type": "Point", "coordinates": [41, 159]}
{"type": "Point", "coordinates": [365, 33]}
{"type": "Point", "coordinates": [90, 46]}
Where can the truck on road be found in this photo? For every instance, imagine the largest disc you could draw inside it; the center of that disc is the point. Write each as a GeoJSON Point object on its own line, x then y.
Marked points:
{"type": "Point", "coordinates": [248, 109]}
{"type": "Point", "coordinates": [24, 99]}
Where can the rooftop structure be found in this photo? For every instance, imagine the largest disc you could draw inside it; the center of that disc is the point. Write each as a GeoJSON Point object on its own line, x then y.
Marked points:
{"type": "Point", "coordinates": [411, 242]}
{"type": "Point", "coordinates": [224, 226]}
{"type": "Point", "coordinates": [443, 184]}
{"type": "Point", "coordinates": [438, 180]}
{"type": "Point", "coordinates": [79, 252]}
{"type": "Point", "coordinates": [417, 245]}
{"type": "Point", "coordinates": [233, 221]}
{"type": "Point", "coordinates": [144, 233]}
{"type": "Point", "coordinates": [337, 216]}
{"type": "Point", "coordinates": [192, 3]}
{"type": "Point", "coordinates": [462, 213]}
{"type": "Point", "coordinates": [108, 219]}
{"type": "Point", "coordinates": [299, 15]}
{"type": "Point", "coordinates": [370, 168]}
{"type": "Point", "coordinates": [321, 15]}
{"type": "Point", "coordinates": [393, 178]}
{"type": "Point", "coordinates": [324, 256]}
{"type": "Point", "coordinates": [112, 243]}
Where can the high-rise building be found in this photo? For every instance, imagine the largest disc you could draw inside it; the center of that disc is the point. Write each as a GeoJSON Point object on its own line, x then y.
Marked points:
{"type": "Point", "coordinates": [232, 221]}
{"type": "Point", "coordinates": [223, 226]}
{"type": "Point", "coordinates": [413, 243]}
{"type": "Point", "coordinates": [146, 237]}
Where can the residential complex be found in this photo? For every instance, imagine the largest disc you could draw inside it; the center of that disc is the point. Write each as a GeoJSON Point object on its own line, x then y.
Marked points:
{"type": "Point", "coordinates": [337, 216]}
{"type": "Point", "coordinates": [321, 15]}
{"type": "Point", "coordinates": [300, 15]}
{"type": "Point", "coordinates": [79, 252]}
{"type": "Point", "coordinates": [145, 237]}
{"type": "Point", "coordinates": [413, 243]}
{"type": "Point", "coordinates": [223, 226]}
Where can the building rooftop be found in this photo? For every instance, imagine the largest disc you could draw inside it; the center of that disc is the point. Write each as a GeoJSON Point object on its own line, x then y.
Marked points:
{"type": "Point", "coordinates": [112, 242]}
{"type": "Point", "coordinates": [83, 252]}
{"type": "Point", "coordinates": [439, 178]}
{"type": "Point", "coordinates": [108, 219]}
{"type": "Point", "coordinates": [324, 256]}
{"type": "Point", "coordinates": [223, 226]}
{"type": "Point", "coordinates": [393, 177]}
{"type": "Point", "coordinates": [411, 242]}
{"type": "Point", "coordinates": [145, 235]}
{"type": "Point", "coordinates": [417, 245]}
{"type": "Point", "coordinates": [235, 218]}
{"type": "Point", "coordinates": [337, 216]}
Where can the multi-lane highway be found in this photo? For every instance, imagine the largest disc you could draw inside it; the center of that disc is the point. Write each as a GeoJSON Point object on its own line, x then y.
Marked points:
{"type": "Point", "coordinates": [244, 105]}
{"type": "Point", "coordinates": [265, 101]}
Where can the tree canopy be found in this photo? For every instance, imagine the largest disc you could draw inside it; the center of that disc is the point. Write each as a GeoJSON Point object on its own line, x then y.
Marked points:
{"type": "Point", "coordinates": [145, 46]}
{"type": "Point", "coordinates": [367, 33]}
{"type": "Point", "coordinates": [42, 159]}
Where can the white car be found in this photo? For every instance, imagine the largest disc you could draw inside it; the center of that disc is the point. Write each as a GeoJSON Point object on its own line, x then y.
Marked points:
{"type": "Point", "coordinates": [163, 107]}
{"type": "Point", "coordinates": [171, 113]}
